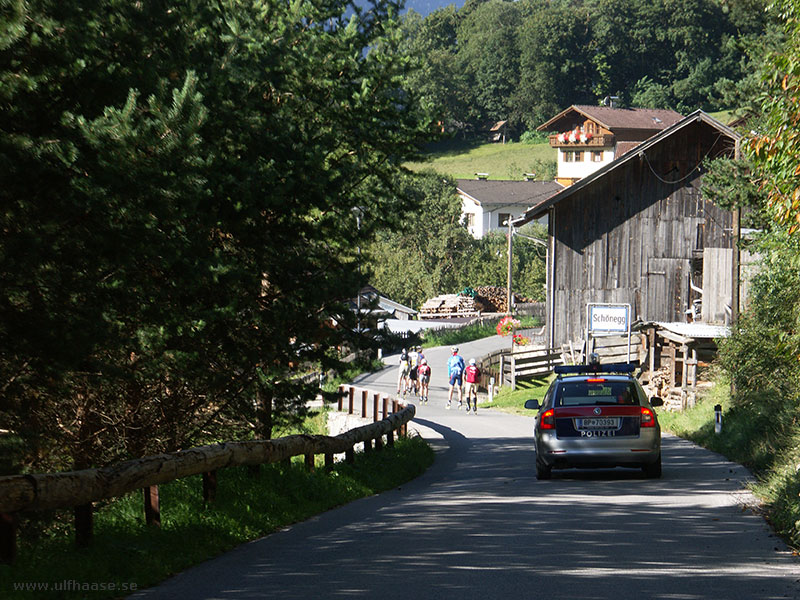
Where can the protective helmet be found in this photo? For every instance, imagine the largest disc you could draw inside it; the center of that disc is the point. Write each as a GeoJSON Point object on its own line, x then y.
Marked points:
{"type": "Point", "coordinates": [454, 349]}
{"type": "Point", "coordinates": [472, 361]}
{"type": "Point", "coordinates": [424, 361]}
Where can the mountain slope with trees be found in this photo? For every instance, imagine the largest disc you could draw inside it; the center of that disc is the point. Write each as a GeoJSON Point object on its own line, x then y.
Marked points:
{"type": "Point", "coordinates": [526, 61]}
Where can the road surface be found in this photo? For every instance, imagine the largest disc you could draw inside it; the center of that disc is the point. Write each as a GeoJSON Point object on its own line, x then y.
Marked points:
{"type": "Point", "coordinates": [479, 525]}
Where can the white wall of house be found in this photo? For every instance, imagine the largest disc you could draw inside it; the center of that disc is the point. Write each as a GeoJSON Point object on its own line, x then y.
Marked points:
{"type": "Point", "coordinates": [472, 216]}
{"type": "Point", "coordinates": [481, 219]}
{"type": "Point", "coordinates": [591, 159]}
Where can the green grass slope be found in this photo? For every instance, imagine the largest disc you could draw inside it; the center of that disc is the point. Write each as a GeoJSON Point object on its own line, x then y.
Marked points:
{"type": "Point", "coordinates": [502, 161]}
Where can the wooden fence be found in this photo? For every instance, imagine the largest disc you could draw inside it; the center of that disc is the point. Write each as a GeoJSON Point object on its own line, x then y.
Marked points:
{"type": "Point", "coordinates": [507, 367]}
{"type": "Point", "coordinates": [79, 489]}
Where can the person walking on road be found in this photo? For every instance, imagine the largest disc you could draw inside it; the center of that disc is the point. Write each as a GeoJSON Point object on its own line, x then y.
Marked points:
{"type": "Point", "coordinates": [455, 371]}
{"type": "Point", "coordinates": [402, 375]}
{"type": "Point", "coordinates": [472, 377]}
{"type": "Point", "coordinates": [413, 366]}
{"type": "Point", "coordinates": [424, 372]}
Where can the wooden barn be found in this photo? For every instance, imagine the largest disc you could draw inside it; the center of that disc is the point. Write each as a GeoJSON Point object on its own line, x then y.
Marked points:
{"type": "Point", "coordinates": [638, 232]}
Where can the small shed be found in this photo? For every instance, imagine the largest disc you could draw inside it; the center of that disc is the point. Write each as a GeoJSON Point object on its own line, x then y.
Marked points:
{"type": "Point", "coordinates": [498, 132]}
{"type": "Point", "coordinates": [674, 353]}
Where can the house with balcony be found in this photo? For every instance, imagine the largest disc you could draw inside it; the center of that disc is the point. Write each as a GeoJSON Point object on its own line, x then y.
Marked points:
{"type": "Point", "coordinates": [590, 137]}
{"type": "Point", "coordinates": [487, 205]}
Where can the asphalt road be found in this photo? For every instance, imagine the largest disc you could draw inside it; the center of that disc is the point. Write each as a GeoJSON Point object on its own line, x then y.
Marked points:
{"type": "Point", "coordinates": [478, 524]}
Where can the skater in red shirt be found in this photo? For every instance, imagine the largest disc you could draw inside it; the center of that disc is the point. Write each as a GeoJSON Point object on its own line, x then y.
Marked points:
{"type": "Point", "coordinates": [472, 377]}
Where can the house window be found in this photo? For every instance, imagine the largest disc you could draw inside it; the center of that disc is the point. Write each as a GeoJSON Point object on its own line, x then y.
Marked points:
{"type": "Point", "coordinates": [573, 156]}
{"type": "Point", "coordinates": [597, 156]}
{"type": "Point", "coordinates": [502, 219]}
{"type": "Point", "coordinates": [470, 220]}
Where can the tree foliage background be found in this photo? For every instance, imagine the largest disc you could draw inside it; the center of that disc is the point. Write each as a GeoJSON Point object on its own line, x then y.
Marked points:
{"type": "Point", "coordinates": [178, 183]}
{"type": "Point", "coordinates": [526, 61]}
{"type": "Point", "coordinates": [762, 355]}
{"type": "Point", "coordinates": [431, 252]}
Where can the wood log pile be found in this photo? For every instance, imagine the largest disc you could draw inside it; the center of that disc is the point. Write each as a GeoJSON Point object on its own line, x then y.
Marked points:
{"type": "Point", "coordinates": [449, 304]}
{"type": "Point", "coordinates": [491, 299]}
{"type": "Point", "coordinates": [487, 298]}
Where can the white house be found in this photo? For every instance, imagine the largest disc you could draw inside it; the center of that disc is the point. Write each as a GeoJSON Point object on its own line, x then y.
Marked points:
{"type": "Point", "coordinates": [590, 137]}
{"type": "Point", "coordinates": [488, 205]}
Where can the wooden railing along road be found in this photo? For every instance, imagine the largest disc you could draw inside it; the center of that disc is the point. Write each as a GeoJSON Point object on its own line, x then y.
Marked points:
{"type": "Point", "coordinates": [79, 489]}
{"type": "Point", "coordinates": [507, 367]}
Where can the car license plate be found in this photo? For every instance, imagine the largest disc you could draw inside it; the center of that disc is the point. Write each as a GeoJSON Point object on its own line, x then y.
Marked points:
{"type": "Point", "coordinates": [598, 423]}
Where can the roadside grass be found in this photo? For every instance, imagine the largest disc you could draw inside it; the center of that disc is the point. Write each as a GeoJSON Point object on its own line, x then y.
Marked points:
{"type": "Point", "coordinates": [513, 401]}
{"type": "Point", "coordinates": [502, 161]}
{"type": "Point", "coordinates": [474, 331]}
{"type": "Point", "coordinates": [248, 506]}
{"type": "Point", "coordinates": [757, 440]}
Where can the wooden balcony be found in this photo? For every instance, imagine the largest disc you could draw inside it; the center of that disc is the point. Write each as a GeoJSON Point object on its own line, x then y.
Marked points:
{"type": "Point", "coordinates": [598, 141]}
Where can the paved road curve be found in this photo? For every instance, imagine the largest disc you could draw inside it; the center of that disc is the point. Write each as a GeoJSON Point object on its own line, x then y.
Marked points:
{"type": "Point", "coordinates": [479, 525]}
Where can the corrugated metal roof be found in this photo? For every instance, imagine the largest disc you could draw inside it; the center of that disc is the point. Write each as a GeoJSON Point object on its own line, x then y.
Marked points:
{"type": "Point", "coordinates": [511, 192]}
{"type": "Point", "coordinates": [697, 330]}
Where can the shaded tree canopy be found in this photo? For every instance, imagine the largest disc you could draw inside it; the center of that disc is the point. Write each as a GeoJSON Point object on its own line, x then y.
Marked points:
{"type": "Point", "coordinates": [178, 189]}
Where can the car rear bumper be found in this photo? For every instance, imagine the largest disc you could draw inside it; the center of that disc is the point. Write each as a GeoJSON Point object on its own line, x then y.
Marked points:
{"type": "Point", "coordinates": [617, 452]}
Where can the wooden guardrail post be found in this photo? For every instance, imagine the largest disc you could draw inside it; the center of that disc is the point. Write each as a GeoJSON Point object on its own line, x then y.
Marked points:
{"type": "Point", "coordinates": [84, 518]}
{"type": "Point", "coordinates": [390, 439]}
{"type": "Point", "coordinates": [152, 509]}
{"type": "Point", "coordinates": [351, 398]}
{"type": "Point", "coordinates": [342, 392]}
{"type": "Point", "coordinates": [379, 443]}
{"type": "Point", "coordinates": [350, 455]}
{"type": "Point", "coordinates": [513, 373]}
{"type": "Point", "coordinates": [364, 396]}
{"type": "Point", "coordinates": [309, 462]}
{"type": "Point", "coordinates": [8, 538]}
{"type": "Point", "coordinates": [375, 399]}
{"type": "Point", "coordinates": [328, 461]}
{"type": "Point", "coordinates": [210, 486]}
{"type": "Point", "coordinates": [385, 406]}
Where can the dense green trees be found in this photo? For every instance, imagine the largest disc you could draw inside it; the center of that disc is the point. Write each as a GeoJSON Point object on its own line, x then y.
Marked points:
{"type": "Point", "coordinates": [431, 252]}
{"type": "Point", "coordinates": [527, 60]}
{"type": "Point", "coordinates": [179, 189]}
{"type": "Point", "coordinates": [762, 356]}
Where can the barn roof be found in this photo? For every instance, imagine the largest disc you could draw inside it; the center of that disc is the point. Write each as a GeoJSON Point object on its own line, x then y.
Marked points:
{"type": "Point", "coordinates": [648, 119]}
{"type": "Point", "coordinates": [698, 116]}
{"type": "Point", "coordinates": [509, 192]}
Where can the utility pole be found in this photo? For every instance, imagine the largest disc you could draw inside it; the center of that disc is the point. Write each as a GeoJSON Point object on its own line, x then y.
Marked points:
{"type": "Point", "coordinates": [510, 250]}
{"type": "Point", "coordinates": [735, 259]}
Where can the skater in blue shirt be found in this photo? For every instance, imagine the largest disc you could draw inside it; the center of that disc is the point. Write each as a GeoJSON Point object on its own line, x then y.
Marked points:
{"type": "Point", "coordinates": [455, 371]}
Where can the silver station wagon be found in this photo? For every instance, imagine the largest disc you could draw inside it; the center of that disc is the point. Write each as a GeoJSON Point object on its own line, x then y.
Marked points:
{"type": "Point", "coordinates": [596, 416]}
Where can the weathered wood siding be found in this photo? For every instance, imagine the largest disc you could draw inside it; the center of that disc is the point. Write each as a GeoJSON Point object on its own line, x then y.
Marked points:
{"type": "Point", "coordinates": [632, 235]}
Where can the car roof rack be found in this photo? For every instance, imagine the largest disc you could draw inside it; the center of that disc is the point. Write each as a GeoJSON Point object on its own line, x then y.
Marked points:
{"type": "Point", "coordinates": [594, 368]}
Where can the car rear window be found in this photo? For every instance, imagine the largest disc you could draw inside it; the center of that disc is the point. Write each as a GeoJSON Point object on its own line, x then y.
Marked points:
{"type": "Point", "coordinates": [587, 393]}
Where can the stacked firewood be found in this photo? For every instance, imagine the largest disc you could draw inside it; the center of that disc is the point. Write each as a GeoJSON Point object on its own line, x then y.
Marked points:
{"type": "Point", "coordinates": [449, 304]}
{"type": "Point", "coordinates": [491, 298]}
{"type": "Point", "coordinates": [487, 298]}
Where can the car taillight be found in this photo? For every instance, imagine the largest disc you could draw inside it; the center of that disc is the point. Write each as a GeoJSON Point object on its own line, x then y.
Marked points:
{"type": "Point", "coordinates": [648, 418]}
{"type": "Point", "coordinates": [596, 380]}
{"type": "Point", "coordinates": [548, 419]}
